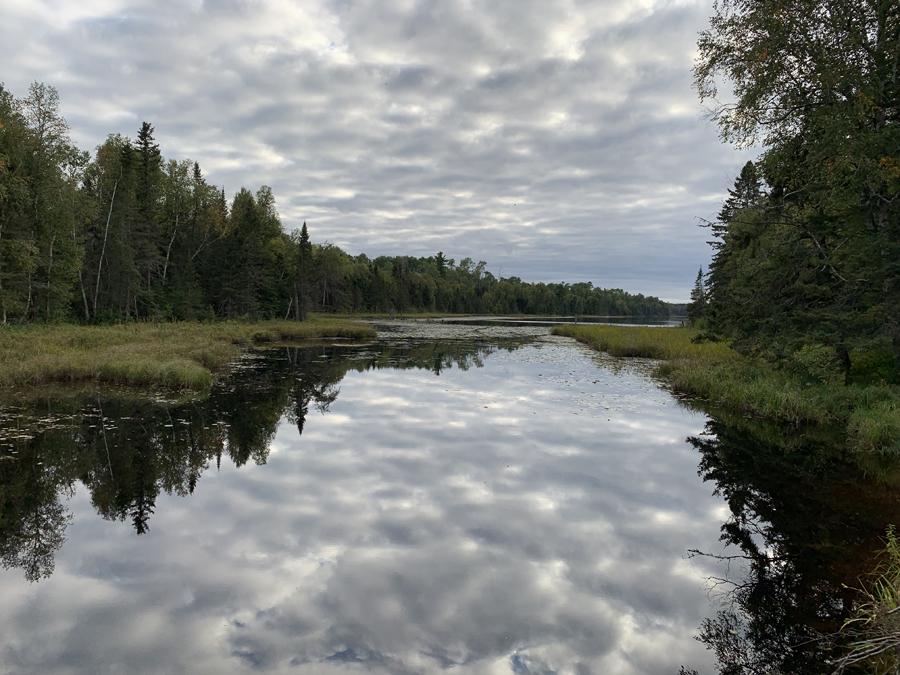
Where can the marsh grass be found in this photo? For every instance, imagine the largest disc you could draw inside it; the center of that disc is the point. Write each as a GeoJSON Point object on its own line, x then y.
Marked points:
{"type": "Point", "coordinates": [177, 355]}
{"type": "Point", "coordinates": [876, 428]}
{"type": "Point", "coordinates": [875, 626]}
{"type": "Point", "coordinates": [713, 371]}
{"type": "Point", "coordinates": [646, 341]}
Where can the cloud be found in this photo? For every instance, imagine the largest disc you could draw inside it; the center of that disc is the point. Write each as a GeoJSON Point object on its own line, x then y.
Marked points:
{"type": "Point", "coordinates": [557, 140]}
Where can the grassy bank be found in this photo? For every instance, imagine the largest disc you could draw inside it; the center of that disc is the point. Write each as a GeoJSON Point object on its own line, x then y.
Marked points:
{"type": "Point", "coordinates": [181, 355]}
{"type": "Point", "coordinates": [875, 626]}
{"type": "Point", "coordinates": [712, 370]}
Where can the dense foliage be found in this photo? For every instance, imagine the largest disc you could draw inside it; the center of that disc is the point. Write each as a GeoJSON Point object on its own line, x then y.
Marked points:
{"type": "Point", "coordinates": [127, 234]}
{"type": "Point", "coordinates": [807, 249]}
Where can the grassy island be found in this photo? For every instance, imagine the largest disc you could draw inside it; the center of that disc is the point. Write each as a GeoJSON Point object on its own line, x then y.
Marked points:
{"type": "Point", "coordinates": [869, 412]}
{"type": "Point", "coordinates": [180, 355]}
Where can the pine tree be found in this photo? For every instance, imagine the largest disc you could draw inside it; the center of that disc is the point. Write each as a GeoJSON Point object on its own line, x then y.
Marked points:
{"type": "Point", "coordinates": [747, 193]}
{"type": "Point", "coordinates": [303, 275]}
{"type": "Point", "coordinates": [148, 240]}
{"type": "Point", "coordinates": [697, 306]}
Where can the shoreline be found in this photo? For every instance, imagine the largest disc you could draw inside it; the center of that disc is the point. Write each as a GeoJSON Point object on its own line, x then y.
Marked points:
{"type": "Point", "coordinates": [869, 414]}
{"type": "Point", "coordinates": [178, 355]}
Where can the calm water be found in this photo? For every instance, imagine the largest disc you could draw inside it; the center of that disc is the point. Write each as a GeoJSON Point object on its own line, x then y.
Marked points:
{"type": "Point", "coordinates": [496, 502]}
{"type": "Point", "coordinates": [554, 320]}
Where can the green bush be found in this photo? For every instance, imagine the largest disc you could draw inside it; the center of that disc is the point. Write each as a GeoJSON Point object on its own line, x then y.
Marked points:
{"type": "Point", "coordinates": [819, 363]}
{"type": "Point", "coordinates": [873, 365]}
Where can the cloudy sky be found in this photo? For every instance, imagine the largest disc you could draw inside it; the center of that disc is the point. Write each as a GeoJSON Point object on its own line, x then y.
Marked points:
{"type": "Point", "coordinates": [556, 140]}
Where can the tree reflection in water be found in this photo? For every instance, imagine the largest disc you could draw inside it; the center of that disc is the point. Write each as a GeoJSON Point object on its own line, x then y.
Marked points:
{"type": "Point", "coordinates": [806, 517]}
{"type": "Point", "coordinates": [128, 447]}
{"type": "Point", "coordinates": [809, 521]}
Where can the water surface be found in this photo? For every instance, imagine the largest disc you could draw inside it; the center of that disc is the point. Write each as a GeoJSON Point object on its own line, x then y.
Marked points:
{"type": "Point", "coordinates": [496, 501]}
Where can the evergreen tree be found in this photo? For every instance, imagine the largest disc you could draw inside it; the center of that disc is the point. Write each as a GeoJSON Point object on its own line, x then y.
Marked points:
{"type": "Point", "coordinates": [18, 252]}
{"type": "Point", "coordinates": [733, 299]}
{"type": "Point", "coordinates": [746, 194]}
{"type": "Point", "coordinates": [148, 241]}
{"type": "Point", "coordinates": [816, 83]}
{"type": "Point", "coordinates": [110, 270]}
{"type": "Point", "coordinates": [303, 274]}
{"type": "Point", "coordinates": [697, 306]}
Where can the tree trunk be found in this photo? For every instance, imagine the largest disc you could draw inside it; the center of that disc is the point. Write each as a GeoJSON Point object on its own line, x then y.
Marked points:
{"type": "Point", "coordinates": [103, 248]}
{"type": "Point", "coordinates": [844, 355]}
{"type": "Point", "coordinates": [87, 313]}
{"type": "Point", "coordinates": [28, 301]}
{"type": "Point", "coordinates": [169, 249]}
{"type": "Point", "coordinates": [49, 272]}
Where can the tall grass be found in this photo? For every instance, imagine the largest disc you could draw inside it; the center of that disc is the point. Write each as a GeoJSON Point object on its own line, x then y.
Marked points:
{"type": "Point", "coordinates": [179, 355]}
{"type": "Point", "coordinates": [876, 428]}
{"type": "Point", "coordinates": [645, 341]}
{"type": "Point", "coordinates": [875, 625]}
{"type": "Point", "coordinates": [715, 372]}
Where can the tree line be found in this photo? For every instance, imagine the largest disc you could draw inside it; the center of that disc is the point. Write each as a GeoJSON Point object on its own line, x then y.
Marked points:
{"type": "Point", "coordinates": [806, 249]}
{"type": "Point", "coordinates": [125, 234]}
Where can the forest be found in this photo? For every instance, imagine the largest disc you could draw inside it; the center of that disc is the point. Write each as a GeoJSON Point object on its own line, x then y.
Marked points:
{"type": "Point", "coordinates": [806, 249]}
{"type": "Point", "coordinates": [126, 234]}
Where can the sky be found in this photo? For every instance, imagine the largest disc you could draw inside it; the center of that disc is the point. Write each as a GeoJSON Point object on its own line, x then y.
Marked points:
{"type": "Point", "coordinates": [555, 140]}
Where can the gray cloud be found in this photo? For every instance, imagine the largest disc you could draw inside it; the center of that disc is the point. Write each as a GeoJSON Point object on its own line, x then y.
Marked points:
{"type": "Point", "coordinates": [555, 140]}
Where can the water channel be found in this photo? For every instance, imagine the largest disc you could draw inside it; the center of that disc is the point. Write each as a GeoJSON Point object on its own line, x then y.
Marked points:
{"type": "Point", "coordinates": [460, 499]}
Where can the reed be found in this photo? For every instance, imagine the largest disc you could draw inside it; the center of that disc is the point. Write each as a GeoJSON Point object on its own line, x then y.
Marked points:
{"type": "Point", "coordinates": [876, 428]}
{"type": "Point", "coordinates": [178, 355]}
{"type": "Point", "coordinates": [648, 342]}
{"type": "Point", "coordinates": [875, 626]}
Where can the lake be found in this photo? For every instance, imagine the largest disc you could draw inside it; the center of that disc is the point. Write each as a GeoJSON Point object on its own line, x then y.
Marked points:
{"type": "Point", "coordinates": [448, 498]}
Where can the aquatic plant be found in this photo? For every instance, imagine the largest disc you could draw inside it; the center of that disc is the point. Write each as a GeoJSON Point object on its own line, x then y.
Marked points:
{"type": "Point", "coordinates": [876, 623]}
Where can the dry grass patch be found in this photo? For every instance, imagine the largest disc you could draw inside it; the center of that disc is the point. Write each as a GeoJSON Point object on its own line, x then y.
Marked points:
{"type": "Point", "coordinates": [180, 355]}
{"type": "Point", "coordinates": [647, 341]}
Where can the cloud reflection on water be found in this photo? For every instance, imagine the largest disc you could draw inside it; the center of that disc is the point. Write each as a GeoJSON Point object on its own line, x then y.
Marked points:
{"type": "Point", "coordinates": [482, 521]}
